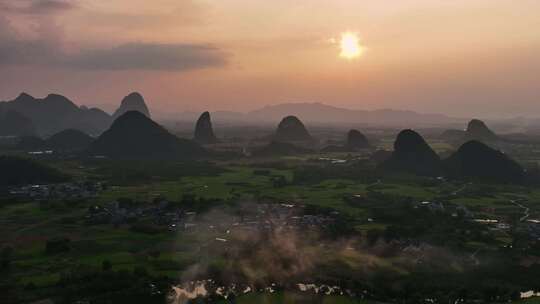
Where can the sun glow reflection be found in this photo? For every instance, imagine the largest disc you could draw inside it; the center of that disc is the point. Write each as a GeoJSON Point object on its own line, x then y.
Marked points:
{"type": "Point", "coordinates": [350, 45]}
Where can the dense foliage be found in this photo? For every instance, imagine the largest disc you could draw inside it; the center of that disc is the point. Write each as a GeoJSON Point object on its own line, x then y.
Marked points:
{"type": "Point", "coordinates": [20, 171]}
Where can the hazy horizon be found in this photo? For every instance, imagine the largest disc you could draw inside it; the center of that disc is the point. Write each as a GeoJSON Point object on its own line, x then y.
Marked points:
{"type": "Point", "coordinates": [192, 114]}
{"type": "Point", "coordinates": [443, 57]}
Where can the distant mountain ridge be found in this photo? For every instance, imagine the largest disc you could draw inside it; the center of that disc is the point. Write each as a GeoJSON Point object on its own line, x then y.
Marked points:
{"type": "Point", "coordinates": [55, 113]}
{"type": "Point", "coordinates": [323, 113]}
{"type": "Point", "coordinates": [319, 112]}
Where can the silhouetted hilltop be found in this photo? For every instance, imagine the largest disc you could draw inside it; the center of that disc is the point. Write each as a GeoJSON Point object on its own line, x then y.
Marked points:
{"type": "Point", "coordinates": [55, 113]}
{"type": "Point", "coordinates": [69, 140]}
{"type": "Point", "coordinates": [477, 160]}
{"type": "Point", "coordinates": [356, 140]}
{"type": "Point", "coordinates": [135, 136]}
{"type": "Point", "coordinates": [132, 102]}
{"type": "Point", "coordinates": [275, 148]}
{"type": "Point", "coordinates": [412, 154]}
{"type": "Point", "coordinates": [12, 123]}
{"type": "Point", "coordinates": [477, 130]}
{"type": "Point", "coordinates": [204, 134]}
{"type": "Point", "coordinates": [291, 129]}
{"type": "Point", "coordinates": [20, 171]}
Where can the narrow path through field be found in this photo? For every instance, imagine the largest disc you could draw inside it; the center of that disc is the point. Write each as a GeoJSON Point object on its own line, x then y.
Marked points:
{"type": "Point", "coordinates": [378, 182]}
{"type": "Point", "coordinates": [461, 189]}
{"type": "Point", "coordinates": [526, 210]}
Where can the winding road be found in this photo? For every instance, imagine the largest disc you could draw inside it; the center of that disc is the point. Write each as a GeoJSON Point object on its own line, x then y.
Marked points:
{"type": "Point", "coordinates": [526, 210]}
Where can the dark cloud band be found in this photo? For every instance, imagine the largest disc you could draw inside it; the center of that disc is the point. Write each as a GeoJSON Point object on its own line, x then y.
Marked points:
{"type": "Point", "coordinates": [146, 56]}
{"type": "Point", "coordinates": [36, 6]}
{"type": "Point", "coordinates": [132, 56]}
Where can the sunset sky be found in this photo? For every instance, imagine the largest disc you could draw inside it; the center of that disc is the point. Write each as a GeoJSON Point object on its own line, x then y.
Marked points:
{"type": "Point", "coordinates": [459, 57]}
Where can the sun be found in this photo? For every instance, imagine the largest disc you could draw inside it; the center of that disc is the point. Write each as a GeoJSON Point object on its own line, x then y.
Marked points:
{"type": "Point", "coordinates": [350, 45]}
